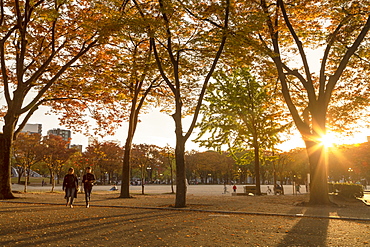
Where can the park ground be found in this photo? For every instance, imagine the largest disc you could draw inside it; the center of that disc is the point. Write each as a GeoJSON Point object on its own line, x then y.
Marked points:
{"type": "Point", "coordinates": [40, 218]}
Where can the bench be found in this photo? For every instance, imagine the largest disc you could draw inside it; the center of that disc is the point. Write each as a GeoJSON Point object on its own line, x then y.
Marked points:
{"type": "Point", "coordinates": [239, 194]}
{"type": "Point", "coordinates": [278, 191]}
{"type": "Point", "coordinates": [250, 189]}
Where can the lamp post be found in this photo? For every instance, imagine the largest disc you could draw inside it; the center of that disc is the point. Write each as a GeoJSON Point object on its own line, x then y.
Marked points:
{"type": "Point", "coordinates": [149, 169]}
{"type": "Point", "coordinates": [350, 170]}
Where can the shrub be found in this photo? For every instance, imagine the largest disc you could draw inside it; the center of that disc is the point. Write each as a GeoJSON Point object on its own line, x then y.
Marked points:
{"type": "Point", "coordinates": [347, 190]}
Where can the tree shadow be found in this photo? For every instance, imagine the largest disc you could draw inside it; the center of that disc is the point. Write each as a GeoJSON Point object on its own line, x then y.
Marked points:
{"type": "Point", "coordinates": [312, 229]}
{"type": "Point", "coordinates": [309, 231]}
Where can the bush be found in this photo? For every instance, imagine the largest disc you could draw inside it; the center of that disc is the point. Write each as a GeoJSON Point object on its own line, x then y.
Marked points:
{"type": "Point", "coordinates": [23, 182]}
{"type": "Point", "coordinates": [347, 190]}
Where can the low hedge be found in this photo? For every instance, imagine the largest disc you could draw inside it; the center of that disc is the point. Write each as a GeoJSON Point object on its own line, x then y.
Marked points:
{"type": "Point", "coordinates": [23, 182]}
{"type": "Point", "coordinates": [346, 189]}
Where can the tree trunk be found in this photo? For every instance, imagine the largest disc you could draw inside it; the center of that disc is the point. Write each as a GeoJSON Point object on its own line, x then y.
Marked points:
{"type": "Point", "coordinates": [257, 169]}
{"type": "Point", "coordinates": [142, 180]}
{"type": "Point", "coordinates": [27, 178]}
{"type": "Point", "coordinates": [180, 174]}
{"type": "Point", "coordinates": [318, 170]}
{"type": "Point", "coordinates": [51, 176]}
{"type": "Point", "coordinates": [5, 167]}
{"type": "Point", "coordinates": [52, 181]}
{"type": "Point", "coordinates": [125, 186]}
{"type": "Point", "coordinates": [180, 161]}
{"type": "Point", "coordinates": [19, 177]}
{"type": "Point", "coordinates": [171, 169]}
{"type": "Point", "coordinates": [134, 113]}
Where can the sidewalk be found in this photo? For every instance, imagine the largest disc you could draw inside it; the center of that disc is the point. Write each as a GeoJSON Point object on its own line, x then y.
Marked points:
{"type": "Point", "coordinates": [41, 219]}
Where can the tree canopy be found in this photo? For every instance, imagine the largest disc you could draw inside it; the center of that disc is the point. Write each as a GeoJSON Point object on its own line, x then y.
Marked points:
{"type": "Point", "coordinates": [283, 33]}
{"type": "Point", "coordinates": [60, 52]}
{"type": "Point", "coordinates": [241, 113]}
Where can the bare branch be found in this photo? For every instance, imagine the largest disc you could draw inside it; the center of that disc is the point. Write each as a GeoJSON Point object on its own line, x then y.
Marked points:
{"type": "Point", "coordinates": [309, 84]}
{"type": "Point", "coordinates": [208, 77]}
{"type": "Point", "coordinates": [343, 63]}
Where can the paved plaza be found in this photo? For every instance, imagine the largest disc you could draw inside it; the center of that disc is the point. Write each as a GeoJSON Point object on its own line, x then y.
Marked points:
{"type": "Point", "coordinates": [211, 218]}
{"type": "Point", "coordinates": [159, 189]}
{"type": "Point", "coordinates": [209, 190]}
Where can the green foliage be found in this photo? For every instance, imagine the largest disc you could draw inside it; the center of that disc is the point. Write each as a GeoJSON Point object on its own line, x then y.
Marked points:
{"type": "Point", "coordinates": [240, 113]}
{"type": "Point", "coordinates": [347, 190]}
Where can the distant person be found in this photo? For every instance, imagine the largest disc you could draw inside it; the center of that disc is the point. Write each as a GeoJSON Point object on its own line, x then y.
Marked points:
{"type": "Point", "coordinates": [268, 190]}
{"type": "Point", "coordinates": [88, 181]}
{"type": "Point", "coordinates": [225, 189]}
{"type": "Point", "coordinates": [234, 188]}
{"type": "Point", "coordinates": [298, 188]}
{"type": "Point", "coordinates": [114, 188]}
{"type": "Point", "coordinates": [70, 186]}
{"type": "Point", "coordinates": [278, 189]}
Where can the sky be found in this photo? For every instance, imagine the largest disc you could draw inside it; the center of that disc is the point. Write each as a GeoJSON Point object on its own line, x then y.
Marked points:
{"type": "Point", "coordinates": [159, 129]}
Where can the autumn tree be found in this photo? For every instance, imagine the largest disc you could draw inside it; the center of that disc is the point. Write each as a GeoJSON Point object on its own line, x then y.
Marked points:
{"type": "Point", "coordinates": [241, 113]}
{"type": "Point", "coordinates": [360, 161]}
{"type": "Point", "coordinates": [287, 32]}
{"type": "Point", "coordinates": [55, 153]}
{"type": "Point", "coordinates": [144, 158]}
{"type": "Point", "coordinates": [105, 158]}
{"type": "Point", "coordinates": [142, 84]}
{"type": "Point", "coordinates": [349, 160]}
{"type": "Point", "coordinates": [209, 167]}
{"type": "Point", "coordinates": [204, 166]}
{"type": "Point", "coordinates": [25, 153]}
{"type": "Point", "coordinates": [168, 158]}
{"type": "Point", "coordinates": [77, 162]}
{"type": "Point", "coordinates": [113, 82]}
{"type": "Point", "coordinates": [180, 55]}
{"type": "Point", "coordinates": [111, 155]}
{"type": "Point", "coordinates": [39, 43]}
{"type": "Point", "coordinates": [91, 156]}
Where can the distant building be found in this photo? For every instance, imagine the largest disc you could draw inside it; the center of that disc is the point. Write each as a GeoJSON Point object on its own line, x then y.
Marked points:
{"type": "Point", "coordinates": [65, 134]}
{"type": "Point", "coordinates": [33, 128]}
{"type": "Point", "coordinates": [77, 146]}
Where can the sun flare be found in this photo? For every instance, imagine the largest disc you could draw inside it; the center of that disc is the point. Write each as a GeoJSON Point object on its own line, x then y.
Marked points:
{"type": "Point", "coordinates": [327, 140]}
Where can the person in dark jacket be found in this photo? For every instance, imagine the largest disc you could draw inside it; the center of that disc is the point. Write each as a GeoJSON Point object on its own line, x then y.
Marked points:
{"type": "Point", "coordinates": [88, 181]}
{"type": "Point", "coordinates": [70, 186]}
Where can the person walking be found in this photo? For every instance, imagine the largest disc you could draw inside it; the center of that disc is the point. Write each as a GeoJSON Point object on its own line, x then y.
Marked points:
{"type": "Point", "coordinates": [225, 189]}
{"type": "Point", "coordinates": [298, 188]}
{"type": "Point", "coordinates": [70, 186]}
{"type": "Point", "coordinates": [268, 191]}
{"type": "Point", "coordinates": [234, 188]}
{"type": "Point", "coordinates": [88, 181]}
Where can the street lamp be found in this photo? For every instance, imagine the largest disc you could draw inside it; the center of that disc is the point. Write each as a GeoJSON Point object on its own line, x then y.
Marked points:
{"type": "Point", "coordinates": [350, 170]}
{"type": "Point", "coordinates": [149, 169]}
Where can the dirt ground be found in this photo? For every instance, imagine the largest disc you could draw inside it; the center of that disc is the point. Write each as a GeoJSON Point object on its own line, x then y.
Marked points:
{"type": "Point", "coordinates": [42, 219]}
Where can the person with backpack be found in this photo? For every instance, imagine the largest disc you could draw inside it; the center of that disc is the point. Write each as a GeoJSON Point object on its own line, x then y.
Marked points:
{"type": "Point", "coordinates": [70, 186]}
{"type": "Point", "coordinates": [88, 181]}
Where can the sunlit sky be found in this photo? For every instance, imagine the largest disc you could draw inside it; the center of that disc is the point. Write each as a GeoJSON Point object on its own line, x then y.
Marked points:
{"type": "Point", "coordinates": [159, 129]}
